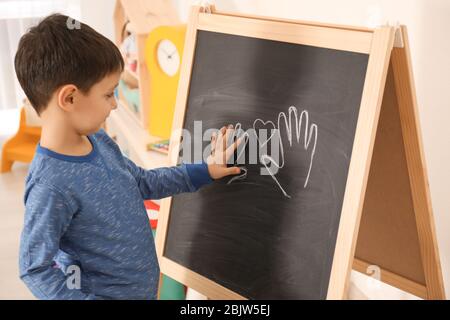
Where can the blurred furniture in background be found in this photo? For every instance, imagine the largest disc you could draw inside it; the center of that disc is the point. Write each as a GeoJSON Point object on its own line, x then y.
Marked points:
{"type": "Point", "coordinates": [163, 55]}
{"type": "Point", "coordinates": [22, 146]}
{"type": "Point", "coordinates": [133, 21]}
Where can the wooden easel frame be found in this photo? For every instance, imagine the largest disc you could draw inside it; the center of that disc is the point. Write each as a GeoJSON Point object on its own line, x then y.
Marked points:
{"type": "Point", "coordinates": [378, 43]}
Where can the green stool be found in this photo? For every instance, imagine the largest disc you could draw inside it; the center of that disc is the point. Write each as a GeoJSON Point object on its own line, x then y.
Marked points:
{"type": "Point", "coordinates": [171, 289]}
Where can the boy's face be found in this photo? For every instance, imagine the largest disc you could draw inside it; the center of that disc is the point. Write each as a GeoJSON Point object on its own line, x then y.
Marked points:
{"type": "Point", "coordinates": [91, 110]}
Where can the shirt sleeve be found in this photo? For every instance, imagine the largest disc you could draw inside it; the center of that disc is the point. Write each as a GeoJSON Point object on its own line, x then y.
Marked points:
{"type": "Point", "coordinates": [47, 217]}
{"type": "Point", "coordinates": [165, 182]}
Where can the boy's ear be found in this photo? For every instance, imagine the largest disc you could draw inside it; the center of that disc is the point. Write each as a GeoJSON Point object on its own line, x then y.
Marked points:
{"type": "Point", "coordinates": [66, 97]}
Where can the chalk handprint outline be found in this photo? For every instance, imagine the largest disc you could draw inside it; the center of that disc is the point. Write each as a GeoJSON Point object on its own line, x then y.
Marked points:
{"type": "Point", "coordinates": [271, 165]}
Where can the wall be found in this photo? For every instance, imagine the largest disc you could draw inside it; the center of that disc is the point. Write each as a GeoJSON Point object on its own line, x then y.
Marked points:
{"type": "Point", "coordinates": [97, 14]}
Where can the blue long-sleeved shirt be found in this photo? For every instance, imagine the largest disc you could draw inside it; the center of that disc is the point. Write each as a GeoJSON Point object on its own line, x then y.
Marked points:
{"type": "Point", "coordinates": [85, 214]}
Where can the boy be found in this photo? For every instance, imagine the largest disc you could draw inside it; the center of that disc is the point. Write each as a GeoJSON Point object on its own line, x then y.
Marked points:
{"type": "Point", "coordinates": [84, 200]}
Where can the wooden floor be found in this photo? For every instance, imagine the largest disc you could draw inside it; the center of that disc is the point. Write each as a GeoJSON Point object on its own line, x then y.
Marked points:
{"type": "Point", "coordinates": [11, 215]}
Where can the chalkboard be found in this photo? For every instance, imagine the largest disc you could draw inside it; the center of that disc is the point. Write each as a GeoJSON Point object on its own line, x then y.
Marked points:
{"type": "Point", "coordinates": [270, 237]}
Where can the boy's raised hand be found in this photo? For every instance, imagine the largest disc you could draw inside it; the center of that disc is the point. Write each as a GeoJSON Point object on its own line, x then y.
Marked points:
{"type": "Point", "coordinates": [220, 153]}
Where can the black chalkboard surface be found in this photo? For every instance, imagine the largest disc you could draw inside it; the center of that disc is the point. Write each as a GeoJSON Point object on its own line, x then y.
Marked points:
{"type": "Point", "coordinates": [270, 237]}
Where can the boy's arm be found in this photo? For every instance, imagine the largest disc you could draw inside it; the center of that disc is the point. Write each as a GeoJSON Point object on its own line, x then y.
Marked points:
{"type": "Point", "coordinates": [47, 217]}
{"type": "Point", "coordinates": [165, 182]}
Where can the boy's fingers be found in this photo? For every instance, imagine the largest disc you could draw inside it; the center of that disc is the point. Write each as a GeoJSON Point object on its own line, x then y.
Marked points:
{"type": "Point", "coordinates": [228, 134]}
{"type": "Point", "coordinates": [219, 142]}
{"type": "Point", "coordinates": [213, 141]}
{"type": "Point", "coordinates": [229, 171]}
{"type": "Point", "coordinates": [233, 147]}
{"type": "Point", "coordinates": [238, 142]}
{"type": "Point", "coordinates": [222, 130]}
{"type": "Point", "coordinates": [224, 141]}
{"type": "Point", "coordinates": [218, 149]}
{"type": "Point", "coordinates": [233, 170]}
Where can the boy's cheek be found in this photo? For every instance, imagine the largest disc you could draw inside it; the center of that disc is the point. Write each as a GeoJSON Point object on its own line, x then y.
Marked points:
{"type": "Point", "coordinates": [88, 121]}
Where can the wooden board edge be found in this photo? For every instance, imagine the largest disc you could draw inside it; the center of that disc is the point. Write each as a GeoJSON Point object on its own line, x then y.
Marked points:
{"type": "Point", "coordinates": [377, 68]}
{"type": "Point", "coordinates": [178, 120]}
{"type": "Point", "coordinates": [199, 283]}
{"type": "Point", "coordinates": [304, 22]}
{"type": "Point", "coordinates": [415, 158]}
{"type": "Point", "coordinates": [393, 279]}
{"type": "Point", "coordinates": [277, 30]}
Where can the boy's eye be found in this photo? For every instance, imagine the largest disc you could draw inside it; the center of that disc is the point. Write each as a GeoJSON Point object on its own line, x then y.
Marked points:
{"type": "Point", "coordinates": [110, 95]}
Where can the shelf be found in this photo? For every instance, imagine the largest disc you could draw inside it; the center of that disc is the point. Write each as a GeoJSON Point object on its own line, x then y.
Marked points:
{"type": "Point", "coordinates": [137, 139]}
{"type": "Point", "coordinates": [126, 108]}
{"type": "Point", "coordinates": [132, 73]}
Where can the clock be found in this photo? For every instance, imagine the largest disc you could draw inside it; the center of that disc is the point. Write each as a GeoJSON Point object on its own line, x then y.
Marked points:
{"type": "Point", "coordinates": [168, 57]}
{"type": "Point", "coordinates": [163, 57]}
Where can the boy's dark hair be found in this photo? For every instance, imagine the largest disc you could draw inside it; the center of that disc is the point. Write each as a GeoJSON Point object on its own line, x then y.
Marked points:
{"type": "Point", "coordinates": [57, 52]}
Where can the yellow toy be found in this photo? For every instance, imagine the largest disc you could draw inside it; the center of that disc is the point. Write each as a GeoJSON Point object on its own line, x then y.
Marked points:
{"type": "Point", "coordinates": [163, 53]}
{"type": "Point", "coordinates": [22, 146]}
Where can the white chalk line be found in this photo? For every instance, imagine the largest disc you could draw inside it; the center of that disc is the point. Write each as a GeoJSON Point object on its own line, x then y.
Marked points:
{"type": "Point", "coordinates": [309, 133]}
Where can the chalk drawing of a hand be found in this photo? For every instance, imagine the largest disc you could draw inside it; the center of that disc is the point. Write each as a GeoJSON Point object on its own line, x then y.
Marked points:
{"type": "Point", "coordinates": [297, 129]}
{"type": "Point", "coordinates": [267, 133]}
